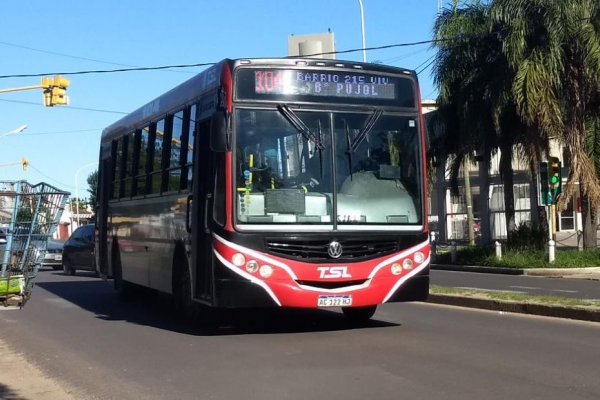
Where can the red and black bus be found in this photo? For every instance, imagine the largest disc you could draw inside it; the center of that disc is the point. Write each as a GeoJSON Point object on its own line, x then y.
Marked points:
{"type": "Point", "coordinates": [271, 183]}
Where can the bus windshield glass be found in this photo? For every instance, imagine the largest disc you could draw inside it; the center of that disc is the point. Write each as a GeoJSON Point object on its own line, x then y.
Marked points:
{"type": "Point", "coordinates": [328, 168]}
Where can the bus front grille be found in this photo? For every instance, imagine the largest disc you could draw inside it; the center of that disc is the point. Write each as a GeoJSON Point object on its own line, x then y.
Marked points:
{"type": "Point", "coordinates": [317, 249]}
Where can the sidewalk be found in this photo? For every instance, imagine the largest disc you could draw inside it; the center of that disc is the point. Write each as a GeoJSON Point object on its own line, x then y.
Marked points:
{"type": "Point", "coordinates": [21, 380]}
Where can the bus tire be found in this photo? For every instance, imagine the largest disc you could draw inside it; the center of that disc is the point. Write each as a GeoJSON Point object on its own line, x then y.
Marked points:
{"type": "Point", "coordinates": [121, 287]}
{"type": "Point", "coordinates": [359, 314]}
{"type": "Point", "coordinates": [183, 304]}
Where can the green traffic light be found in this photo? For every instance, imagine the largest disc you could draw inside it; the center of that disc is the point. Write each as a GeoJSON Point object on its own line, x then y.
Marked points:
{"type": "Point", "coordinates": [554, 179]}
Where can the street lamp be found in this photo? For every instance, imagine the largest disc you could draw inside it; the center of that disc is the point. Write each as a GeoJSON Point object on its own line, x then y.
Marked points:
{"type": "Point", "coordinates": [15, 131]}
{"type": "Point", "coordinates": [362, 29]}
{"type": "Point", "coordinates": [77, 187]}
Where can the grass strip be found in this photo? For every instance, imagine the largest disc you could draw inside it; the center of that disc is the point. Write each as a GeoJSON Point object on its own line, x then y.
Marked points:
{"type": "Point", "coordinates": [554, 301]}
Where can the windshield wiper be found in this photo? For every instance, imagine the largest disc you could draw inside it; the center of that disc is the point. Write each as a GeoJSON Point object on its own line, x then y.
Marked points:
{"type": "Point", "coordinates": [300, 126]}
{"type": "Point", "coordinates": [366, 130]}
{"type": "Point", "coordinates": [349, 147]}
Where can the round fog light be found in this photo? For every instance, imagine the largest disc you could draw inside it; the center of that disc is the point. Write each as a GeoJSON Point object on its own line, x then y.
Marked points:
{"type": "Point", "coordinates": [407, 263]}
{"type": "Point", "coordinates": [238, 260]}
{"type": "Point", "coordinates": [266, 271]}
{"type": "Point", "coordinates": [396, 269]}
{"type": "Point", "coordinates": [419, 257]}
{"type": "Point", "coordinates": [252, 266]}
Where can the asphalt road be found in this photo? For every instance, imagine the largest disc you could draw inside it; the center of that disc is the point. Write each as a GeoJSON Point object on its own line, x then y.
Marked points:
{"type": "Point", "coordinates": [76, 330]}
{"type": "Point", "coordinates": [530, 285]}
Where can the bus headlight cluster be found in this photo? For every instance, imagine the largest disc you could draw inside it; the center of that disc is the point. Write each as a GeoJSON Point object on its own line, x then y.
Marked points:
{"type": "Point", "coordinates": [408, 263]}
{"type": "Point", "coordinates": [252, 266]}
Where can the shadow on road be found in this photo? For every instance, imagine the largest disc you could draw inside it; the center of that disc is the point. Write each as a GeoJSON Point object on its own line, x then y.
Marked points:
{"type": "Point", "coordinates": [6, 393]}
{"type": "Point", "coordinates": [153, 309]}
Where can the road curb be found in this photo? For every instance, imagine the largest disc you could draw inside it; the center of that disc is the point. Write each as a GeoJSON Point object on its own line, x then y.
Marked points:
{"type": "Point", "coordinates": [478, 268]}
{"type": "Point", "coordinates": [522, 308]}
{"type": "Point", "coordinates": [591, 273]}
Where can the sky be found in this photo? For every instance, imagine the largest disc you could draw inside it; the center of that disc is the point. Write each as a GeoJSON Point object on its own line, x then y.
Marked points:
{"type": "Point", "coordinates": [61, 144]}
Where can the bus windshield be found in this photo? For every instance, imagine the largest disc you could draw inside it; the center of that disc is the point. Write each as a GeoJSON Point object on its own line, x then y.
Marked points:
{"type": "Point", "coordinates": [328, 168]}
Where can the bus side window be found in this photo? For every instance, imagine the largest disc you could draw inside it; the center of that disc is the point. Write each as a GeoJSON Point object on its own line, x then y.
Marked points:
{"type": "Point", "coordinates": [117, 161]}
{"type": "Point", "coordinates": [128, 173]}
{"type": "Point", "coordinates": [142, 162]}
{"type": "Point", "coordinates": [175, 156]}
{"type": "Point", "coordinates": [156, 166]}
{"type": "Point", "coordinates": [188, 154]}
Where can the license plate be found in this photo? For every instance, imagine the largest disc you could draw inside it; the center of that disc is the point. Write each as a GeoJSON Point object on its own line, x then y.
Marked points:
{"type": "Point", "coordinates": [334, 301]}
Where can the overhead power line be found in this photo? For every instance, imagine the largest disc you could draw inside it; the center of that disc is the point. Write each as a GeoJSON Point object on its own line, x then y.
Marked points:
{"type": "Point", "coordinates": [67, 108]}
{"type": "Point", "coordinates": [205, 64]}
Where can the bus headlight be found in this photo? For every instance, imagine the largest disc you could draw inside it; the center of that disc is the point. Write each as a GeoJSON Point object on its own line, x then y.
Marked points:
{"type": "Point", "coordinates": [238, 260]}
{"type": "Point", "coordinates": [252, 266]}
{"type": "Point", "coordinates": [396, 269]}
{"type": "Point", "coordinates": [407, 263]}
{"type": "Point", "coordinates": [419, 257]}
{"type": "Point", "coordinates": [266, 271]}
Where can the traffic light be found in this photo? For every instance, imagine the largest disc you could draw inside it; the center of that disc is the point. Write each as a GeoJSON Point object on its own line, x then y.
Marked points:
{"type": "Point", "coordinates": [555, 177]}
{"type": "Point", "coordinates": [24, 164]}
{"type": "Point", "coordinates": [545, 195]}
{"type": "Point", "coordinates": [55, 91]}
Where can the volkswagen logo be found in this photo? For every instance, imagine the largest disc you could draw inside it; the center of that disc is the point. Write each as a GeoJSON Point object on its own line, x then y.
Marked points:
{"type": "Point", "coordinates": [335, 249]}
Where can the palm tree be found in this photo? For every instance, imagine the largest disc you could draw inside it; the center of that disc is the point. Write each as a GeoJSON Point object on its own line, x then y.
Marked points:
{"type": "Point", "coordinates": [554, 48]}
{"type": "Point", "coordinates": [475, 80]}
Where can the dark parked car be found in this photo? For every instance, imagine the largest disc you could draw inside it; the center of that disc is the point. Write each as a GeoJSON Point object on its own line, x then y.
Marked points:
{"type": "Point", "coordinates": [78, 251]}
{"type": "Point", "coordinates": [53, 257]}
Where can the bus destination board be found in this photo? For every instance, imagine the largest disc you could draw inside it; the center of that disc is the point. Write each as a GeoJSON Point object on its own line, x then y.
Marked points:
{"type": "Point", "coordinates": [325, 83]}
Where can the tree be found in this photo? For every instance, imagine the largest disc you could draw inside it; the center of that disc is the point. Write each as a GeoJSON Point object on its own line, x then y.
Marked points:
{"type": "Point", "coordinates": [92, 181]}
{"type": "Point", "coordinates": [554, 48]}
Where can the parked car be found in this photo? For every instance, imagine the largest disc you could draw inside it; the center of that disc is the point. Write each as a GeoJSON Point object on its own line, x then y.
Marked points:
{"type": "Point", "coordinates": [53, 257]}
{"type": "Point", "coordinates": [78, 251]}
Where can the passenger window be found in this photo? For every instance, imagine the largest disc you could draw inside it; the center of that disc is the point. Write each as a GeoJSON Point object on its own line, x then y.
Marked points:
{"type": "Point", "coordinates": [142, 162]}
{"type": "Point", "coordinates": [190, 148]}
{"type": "Point", "coordinates": [175, 159]}
{"type": "Point", "coordinates": [117, 161]}
{"type": "Point", "coordinates": [156, 175]}
{"type": "Point", "coordinates": [129, 144]}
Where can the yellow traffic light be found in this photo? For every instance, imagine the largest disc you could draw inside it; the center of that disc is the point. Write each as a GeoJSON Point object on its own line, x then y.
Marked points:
{"type": "Point", "coordinates": [24, 163]}
{"type": "Point", "coordinates": [55, 91]}
{"type": "Point", "coordinates": [60, 82]}
{"type": "Point", "coordinates": [47, 83]}
{"type": "Point", "coordinates": [59, 96]}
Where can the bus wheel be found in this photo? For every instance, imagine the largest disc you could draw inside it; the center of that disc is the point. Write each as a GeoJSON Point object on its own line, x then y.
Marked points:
{"type": "Point", "coordinates": [359, 314]}
{"type": "Point", "coordinates": [183, 304]}
{"type": "Point", "coordinates": [121, 287]}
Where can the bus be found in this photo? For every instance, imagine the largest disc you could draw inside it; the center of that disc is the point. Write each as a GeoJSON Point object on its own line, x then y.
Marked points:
{"type": "Point", "coordinates": [294, 183]}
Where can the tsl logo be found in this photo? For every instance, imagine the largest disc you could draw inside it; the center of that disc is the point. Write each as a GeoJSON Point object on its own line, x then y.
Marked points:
{"type": "Point", "coordinates": [333, 272]}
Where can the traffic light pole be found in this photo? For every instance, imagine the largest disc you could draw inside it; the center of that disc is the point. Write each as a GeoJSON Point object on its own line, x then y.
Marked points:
{"type": "Point", "coordinates": [21, 89]}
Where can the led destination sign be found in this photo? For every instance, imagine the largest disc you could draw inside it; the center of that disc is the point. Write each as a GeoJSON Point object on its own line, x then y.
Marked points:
{"type": "Point", "coordinates": [328, 85]}
{"type": "Point", "coordinates": [323, 84]}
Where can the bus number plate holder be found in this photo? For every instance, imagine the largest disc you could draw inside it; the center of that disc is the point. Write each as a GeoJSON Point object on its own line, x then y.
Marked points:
{"type": "Point", "coordinates": [334, 301]}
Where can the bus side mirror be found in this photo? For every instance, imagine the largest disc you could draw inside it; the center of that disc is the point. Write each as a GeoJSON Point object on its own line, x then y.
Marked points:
{"type": "Point", "coordinates": [219, 134]}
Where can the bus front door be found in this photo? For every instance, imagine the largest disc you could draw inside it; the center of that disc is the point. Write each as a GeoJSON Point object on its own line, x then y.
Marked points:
{"type": "Point", "coordinates": [202, 195]}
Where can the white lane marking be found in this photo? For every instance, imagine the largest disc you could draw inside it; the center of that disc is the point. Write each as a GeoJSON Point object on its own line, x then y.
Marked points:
{"type": "Point", "coordinates": [526, 287]}
{"type": "Point", "coordinates": [488, 290]}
